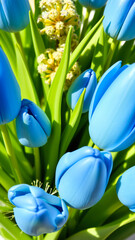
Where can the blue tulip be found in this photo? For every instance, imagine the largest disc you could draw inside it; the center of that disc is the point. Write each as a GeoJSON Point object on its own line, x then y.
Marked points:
{"type": "Point", "coordinates": [112, 110]}
{"type": "Point", "coordinates": [14, 15]}
{"type": "Point", "coordinates": [82, 176]}
{"type": "Point", "coordinates": [37, 212]}
{"type": "Point", "coordinates": [32, 125]}
{"type": "Point", "coordinates": [119, 19]}
{"type": "Point", "coordinates": [126, 188]}
{"type": "Point", "coordinates": [10, 94]}
{"type": "Point", "coordinates": [93, 3]}
{"type": "Point", "coordinates": [86, 80]}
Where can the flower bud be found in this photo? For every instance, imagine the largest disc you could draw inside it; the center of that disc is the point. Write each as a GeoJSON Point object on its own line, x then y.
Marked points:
{"type": "Point", "coordinates": [82, 176]}
{"type": "Point", "coordinates": [10, 94]}
{"type": "Point", "coordinates": [93, 3]}
{"type": "Point", "coordinates": [14, 15]}
{"type": "Point", "coordinates": [119, 19]}
{"type": "Point", "coordinates": [126, 188]}
{"type": "Point", "coordinates": [112, 110]}
{"type": "Point", "coordinates": [32, 125]}
{"type": "Point", "coordinates": [86, 80]}
{"type": "Point", "coordinates": [37, 212]}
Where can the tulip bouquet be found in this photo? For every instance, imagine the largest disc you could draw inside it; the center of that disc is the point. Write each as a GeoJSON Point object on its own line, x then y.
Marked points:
{"type": "Point", "coordinates": [67, 119]}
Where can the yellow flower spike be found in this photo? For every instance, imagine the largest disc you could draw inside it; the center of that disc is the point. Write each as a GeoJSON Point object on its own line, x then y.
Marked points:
{"type": "Point", "coordinates": [57, 16]}
{"type": "Point", "coordinates": [48, 65]}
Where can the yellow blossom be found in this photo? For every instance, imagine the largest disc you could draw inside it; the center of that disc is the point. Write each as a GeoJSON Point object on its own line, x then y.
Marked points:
{"type": "Point", "coordinates": [57, 16]}
{"type": "Point", "coordinates": [48, 64]}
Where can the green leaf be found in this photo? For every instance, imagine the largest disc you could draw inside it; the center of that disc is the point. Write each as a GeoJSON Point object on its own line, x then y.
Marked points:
{"type": "Point", "coordinates": [5, 180]}
{"type": "Point", "coordinates": [71, 127]}
{"type": "Point", "coordinates": [87, 54]}
{"type": "Point", "coordinates": [77, 52]}
{"type": "Point", "coordinates": [27, 87]}
{"type": "Point", "coordinates": [104, 231]}
{"type": "Point", "coordinates": [36, 36]}
{"type": "Point", "coordinates": [8, 47]}
{"type": "Point", "coordinates": [39, 47]}
{"type": "Point", "coordinates": [53, 109]}
{"type": "Point", "coordinates": [10, 231]}
{"type": "Point", "coordinates": [100, 54]}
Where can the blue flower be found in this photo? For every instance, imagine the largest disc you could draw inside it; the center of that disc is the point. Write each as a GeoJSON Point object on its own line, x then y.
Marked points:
{"type": "Point", "coordinates": [112, 110]}
{"type": "Point", "coordinates": [37, 212]}
{"type": "Point", "coordinates": [82, 176]}
{"type": "Point", "coordinates": [14, 15]}
{"type": "Point", "coordinates": [10, 94]}
{"type": "Point", "coordinates": [119, 19]}
{"type": "Point", "coordinates": [86, 80]}
{"type": "Point", "coordinates": [93, 3]}
{"type": "Point", "coordinates": [32, 125]}
{"type": "Point", "coordinates": [126, 188]}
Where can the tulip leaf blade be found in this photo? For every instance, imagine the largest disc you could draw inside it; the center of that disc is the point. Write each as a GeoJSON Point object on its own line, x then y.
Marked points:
{"type": "Point", "coordinates": [39, 47]}
{"type": "Point", "coordinates": [100, 54]}
{"type": "Point", "coordinates": [104, 231]}
{"type": "Point", "coordinates": [71, 127]}
{"type": "Point", "coordinates": [53, 110]}
{"type": "Point", "coordinates": [76, 54]}
{"type": "Point", "coordinates": [8, 47]}
{"type": "Point", "coordinates": [38, 43]}
{"type": "Point", "coordinates": [24, 79]}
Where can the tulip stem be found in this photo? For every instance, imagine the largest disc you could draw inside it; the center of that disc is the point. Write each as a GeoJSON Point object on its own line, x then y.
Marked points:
{"type": "Point", "coordinates": [37, 163]}
{"type": "Point", "coordinates": [110, 54]}
{"type": "Point", "coordinates": [40, 237]}
{"type": "Point", "coordinates": [90, 143]}
{"type": "Point", "coordinates": [10, 151]}
{"type": "Point", "coordinates": [18, 38]}
{"type": "Point", "coordinates": [85, 23]}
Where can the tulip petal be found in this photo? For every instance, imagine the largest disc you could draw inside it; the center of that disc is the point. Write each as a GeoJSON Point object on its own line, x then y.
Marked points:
{"type": "Point", "coordinates": [127, 141]}
{"type": "Point", "coordinates": [107, 158]}
{"type": "Point", "coordinates": [69, 159]}
{"type": "Point", "coordinates": [10, 94]}
{"type": "Point", "coordinates": [127, 31]}
{"type": "Point", "coordinates": [62, 218]}
{"type": "Point", "coordinates": [14, 15]}
{"type": "Point", "coordinates": [116, 104]}
{"type": "Point", "coordinates": [29, 131]}
{"type": "Point", "coordinates": [84, 183]}
{"type": "Point", "coordinates": [36, 112]}
{"type": "Point", "coordinates": [36, 223]}
{"type": "Point", "coordinates": [114, 17]}
{"type": "Point", "coordinates": [125, 188]}
{"type": "Point", "coordinates": [105, 81]}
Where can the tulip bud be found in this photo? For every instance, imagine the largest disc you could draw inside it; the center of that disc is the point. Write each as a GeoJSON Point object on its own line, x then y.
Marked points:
{"type": "Point", "coordinates": [86, 80]}
{"type": "Point", "coordinates": [93, 3]}
{"type": "Point", "coordinates": [82, 176]}
{"type": "Point", "coordinates": [10, 94]}
{"type": "Point", "coordinates": [37, 212]}
{"type": "Point", "coordinates": [112, 110]}
{"type": "Point", "coordinates": [126, 188]}
{"type": "Point", "coordinates": [32, 125]}
{"type": "Point", "coordinates": [14, 15]}
{"type": "Point", "coordinates": [119, 19]}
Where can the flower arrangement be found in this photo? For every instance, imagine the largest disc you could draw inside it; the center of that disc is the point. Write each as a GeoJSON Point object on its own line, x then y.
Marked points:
{"type": "Point", "coordinates": [67, 119]}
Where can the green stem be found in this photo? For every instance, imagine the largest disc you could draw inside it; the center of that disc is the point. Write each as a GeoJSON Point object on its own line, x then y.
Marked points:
{"type": "Point", "coordinates": [90, 143]}
{"type": "Point", "coordinates": [85, 23]}
{"type": "Point", "coordinates": [37, 163]}
{"type": "Point", "coordinates": [40, 237]}
{"type": "Point", "coordinates": [18, 39]}
{"type": "Point", "coordinates": [110, 54]}
{"type": "Point", "coordinates": [10, 151]}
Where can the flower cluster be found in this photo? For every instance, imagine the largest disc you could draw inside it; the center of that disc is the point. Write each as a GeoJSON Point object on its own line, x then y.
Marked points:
{"type": "Point", "coordinates": [57, 17]}
{"type": "Point", "coordinates": [49, 63]}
